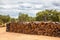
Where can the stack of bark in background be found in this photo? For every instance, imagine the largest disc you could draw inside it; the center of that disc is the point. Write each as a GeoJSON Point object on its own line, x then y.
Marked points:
{"type": "Point", "coordinates": [41, 28]}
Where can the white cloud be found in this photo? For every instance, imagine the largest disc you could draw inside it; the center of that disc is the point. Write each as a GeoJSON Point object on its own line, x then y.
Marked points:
{"type": "Point", "coordinates": [38, 6]}
{"type": "Point", "coordinates": [13, 7]}
{"type": "Point", "coordinates": [9, 6]}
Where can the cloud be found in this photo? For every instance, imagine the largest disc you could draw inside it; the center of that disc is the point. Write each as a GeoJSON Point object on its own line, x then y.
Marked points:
{"type": "Point", "coordinates": [31, 7]}
{"type": "Point", "coordinates": [56, 4]}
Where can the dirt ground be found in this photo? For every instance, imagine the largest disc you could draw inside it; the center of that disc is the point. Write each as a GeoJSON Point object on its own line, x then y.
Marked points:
{"type": "Point", "coordinates": [18, 36]}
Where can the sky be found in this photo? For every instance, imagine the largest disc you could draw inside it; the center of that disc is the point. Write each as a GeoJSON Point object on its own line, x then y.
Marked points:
{"type": "Point", "coordinates": [31, 7]}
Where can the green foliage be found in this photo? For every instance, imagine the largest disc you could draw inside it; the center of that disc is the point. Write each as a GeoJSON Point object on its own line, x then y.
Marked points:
{"type": "Point", "coordinates": [4, 18]}
{"type": "Point", "coordinates": [13, 20]}
{"type": "Point", "coordinates": [45, 15]}
{"type": "Point", "coordinates": [31, 19]}
{"type": "Point", "coordinates": [1, 21]}
{"type": "Point", "coordinates": [25, 17]}
{"type": "Point", "coordinates": [48, 15]}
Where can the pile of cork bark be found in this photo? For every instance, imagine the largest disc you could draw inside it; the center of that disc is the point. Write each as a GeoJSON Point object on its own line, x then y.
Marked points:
{"type": "Point", "coordinates": [41, 28]}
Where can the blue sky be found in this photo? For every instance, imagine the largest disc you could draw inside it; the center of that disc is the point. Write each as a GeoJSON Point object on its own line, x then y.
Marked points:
{"type": "Point", "coordinates": [31, 7]}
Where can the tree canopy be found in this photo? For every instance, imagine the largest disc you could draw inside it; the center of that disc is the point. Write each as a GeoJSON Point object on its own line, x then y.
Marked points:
{"type": "Point", "coordinates": [25, 17]}
{"type": "Point", "coordinates": [4, 18]}
{"type": "Point", "coordinates": [48, 15]}
{"type": "Point", "coordinates": [45, 15]}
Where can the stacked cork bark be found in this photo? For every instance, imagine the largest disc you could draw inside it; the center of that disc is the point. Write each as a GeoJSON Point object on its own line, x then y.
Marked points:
{"type": "Point", "coordinates": [41, 28]}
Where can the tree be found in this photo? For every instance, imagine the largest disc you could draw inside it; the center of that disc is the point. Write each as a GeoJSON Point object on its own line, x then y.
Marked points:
{"type": "Point", "coordinates": [23, 17]}
{"type": "Point", "coordinates": [13, 20]}
{"type": "Point", "coordinates": [5, 18]}
{"type": "Point", "coordinates": [31, 19]}
{"type": "Point", "coordinates": [1, 22]}
{"type": "Point", "coordinates": [48, 15]}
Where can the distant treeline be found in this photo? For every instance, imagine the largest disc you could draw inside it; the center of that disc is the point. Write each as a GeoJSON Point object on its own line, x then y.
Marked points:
{"type": "Point", "coordinates": [45, 15]}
